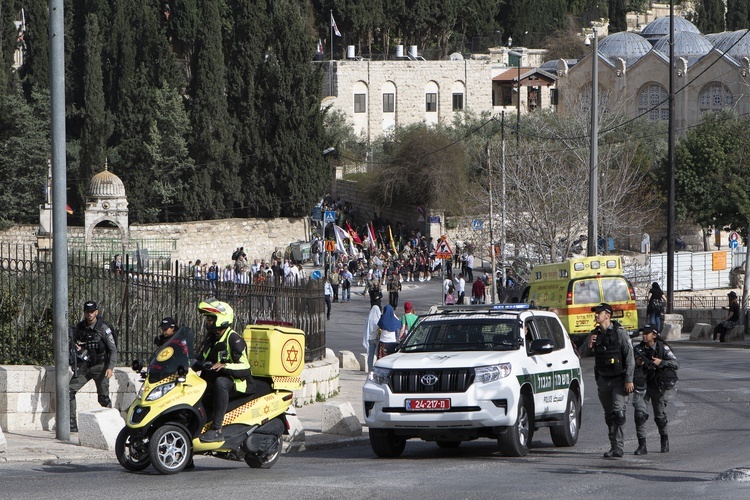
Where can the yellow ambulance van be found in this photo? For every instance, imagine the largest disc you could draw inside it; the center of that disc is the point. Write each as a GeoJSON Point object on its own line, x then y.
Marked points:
{"type": "Point", "coordinates": [573, 287]}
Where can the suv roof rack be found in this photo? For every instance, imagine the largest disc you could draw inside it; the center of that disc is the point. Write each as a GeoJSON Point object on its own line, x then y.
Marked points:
{"type": "Point", "coordinates": [516, 307]}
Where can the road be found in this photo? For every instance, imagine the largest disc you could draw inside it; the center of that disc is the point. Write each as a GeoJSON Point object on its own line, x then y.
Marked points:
{"type": "Point", "coordinates": [709, 421]}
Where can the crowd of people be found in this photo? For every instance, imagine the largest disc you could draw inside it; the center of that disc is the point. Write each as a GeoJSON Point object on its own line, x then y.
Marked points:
{"type": "Point", "coordinates": [278, 268]}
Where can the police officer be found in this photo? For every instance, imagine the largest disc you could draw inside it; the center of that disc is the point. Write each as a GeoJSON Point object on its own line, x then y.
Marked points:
{"type": "Point", "coordinates": [656, 369]}
{"type": "Point", "coordinates": [613, 369]}
{"type": "Point", "coordinates": [167, 326]}
{"type": "Point", "coordinates": [224, 364]}
{"type": "Point", "coordinates": [94, 344]}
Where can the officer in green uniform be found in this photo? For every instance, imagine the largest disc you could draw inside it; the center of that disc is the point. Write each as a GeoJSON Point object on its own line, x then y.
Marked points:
{"type": "Point", "coordinates": [223, 363]}
{"type": "Point", "coordinates": [93, 342]}
{"type": "Point", "coordinates": [613, 367]}
{"type": "Point", "coordinates": [656, 372]}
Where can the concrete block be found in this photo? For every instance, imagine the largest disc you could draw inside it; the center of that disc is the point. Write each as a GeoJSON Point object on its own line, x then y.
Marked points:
{"type": "Point", "coordinates": [340, 419]}
{"type": "Point", "coordinates": [702, 331]}
{"type": "Point", "coordinates": [294, 441]}
{"type": "Point", "coordinates": [33, 379]}
{"type": "Point", "coordinates": [363, 362]}
{"type": "Point", "coordinates": [3, 441]}
{"type": "Point", "coordinates": [11, 378]}
{"type": "Point", "coordinates": [672, 328]}
{"type": "Point", "coordinates": [348, 361]}
{"type": "Point", "coordinates": [736, 333]}
{"type": "Point", "coordinates": [330, 353]}
{"type": "Point", "coordinates": [99, 428]}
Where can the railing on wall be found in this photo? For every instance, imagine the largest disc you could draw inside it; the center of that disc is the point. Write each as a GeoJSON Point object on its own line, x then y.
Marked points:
{"type": "Point", "coordinates": [134, 303]}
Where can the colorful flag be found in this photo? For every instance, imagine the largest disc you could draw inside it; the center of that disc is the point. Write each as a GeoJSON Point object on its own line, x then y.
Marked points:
{"type": "Point", "coordinates": [320, 45]}
{"type": "Point", "coordinates": [393, 243]}
{"type": "Point", "coordinates": [373, 241]}
{"type": "Point", "coordinates": [333, 25]}
{"type": "Point", "coordinates": [340, 234]}
{"type": "Point", "coordinates": [68, 209]}
{"type": "Point", "coordinates": [353, 234]}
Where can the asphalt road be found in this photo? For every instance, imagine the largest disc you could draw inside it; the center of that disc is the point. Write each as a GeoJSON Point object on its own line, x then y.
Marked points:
{"type": "Point", "coordinates": [710, 427]}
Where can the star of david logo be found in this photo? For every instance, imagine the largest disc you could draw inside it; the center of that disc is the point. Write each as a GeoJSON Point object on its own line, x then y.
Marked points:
{"type": "Point", "coordinates": [291, 355]}
{"type": "Point", "coordinates": [266, 409]}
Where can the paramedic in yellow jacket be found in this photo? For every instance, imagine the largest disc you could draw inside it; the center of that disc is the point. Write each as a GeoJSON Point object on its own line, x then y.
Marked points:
{"type": "Point", "coordinates": [223, 363]}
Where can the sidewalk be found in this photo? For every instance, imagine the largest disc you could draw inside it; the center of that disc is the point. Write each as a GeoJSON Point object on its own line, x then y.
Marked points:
{"type": "Point", "coordinates": [42, 446]}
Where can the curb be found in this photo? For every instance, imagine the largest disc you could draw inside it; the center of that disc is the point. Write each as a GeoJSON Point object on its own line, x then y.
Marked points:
{"type": "Point", "coordinates": [337, 443]}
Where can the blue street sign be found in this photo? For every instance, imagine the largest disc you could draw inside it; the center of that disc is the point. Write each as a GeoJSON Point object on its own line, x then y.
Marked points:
{"type": "Point", "coordinates": [733, 243]}
{"type": "Point", "coordinates": [476, 224]}
{"type": "Point", "coordinates": [330, 216]}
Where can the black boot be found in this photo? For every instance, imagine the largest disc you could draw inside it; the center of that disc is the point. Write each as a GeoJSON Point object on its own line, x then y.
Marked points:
{"type": "Point", "coordinates": [614, 452]}
{"type": "Point", "coordinates": [665, 444]}
{"type": "Point", "coordinates": [641, 447]}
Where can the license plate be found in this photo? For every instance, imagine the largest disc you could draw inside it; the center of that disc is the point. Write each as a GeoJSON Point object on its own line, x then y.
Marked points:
{"type": "Point", "coordinates": [428, 404]}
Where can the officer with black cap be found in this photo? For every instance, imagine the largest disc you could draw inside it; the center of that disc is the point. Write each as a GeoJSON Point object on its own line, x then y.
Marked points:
{"type": "Point", "coordinates": [655, 380]}
{"type": "Point", "coordinates": [93, 341]}
{"type": "Point", "coordinates": [613, 369]}
{"type": "Point", "coordinates": [168, 327]}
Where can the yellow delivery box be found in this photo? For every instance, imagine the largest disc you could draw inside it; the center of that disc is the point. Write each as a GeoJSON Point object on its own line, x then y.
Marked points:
{"type": "Point", "coordinates": [277, 352]}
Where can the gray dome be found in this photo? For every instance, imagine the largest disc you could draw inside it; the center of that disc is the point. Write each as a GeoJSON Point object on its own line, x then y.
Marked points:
{"type": "Point", "coordinates": [734, 43]}
{"type": "Point", "coordinates": [106, 185]}
{"type": "Point", "coordinates": [626, 45]}
{"type": "Point", "coordinates": [660, 27]}
{"type": "Point", "coordinates": [691, 46]}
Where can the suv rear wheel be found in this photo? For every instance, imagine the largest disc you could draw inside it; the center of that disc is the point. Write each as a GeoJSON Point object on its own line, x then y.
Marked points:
{"type": "Point", "coordinates": [386, 444]}
{"type": "Point", "coordinates": [516, 440]}
{"type": "Point", "coordinates": [567, 434]}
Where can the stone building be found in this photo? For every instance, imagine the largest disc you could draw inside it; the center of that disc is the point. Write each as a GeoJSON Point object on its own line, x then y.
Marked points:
{"type": "Point", "coordinates": [633, 70]}
{"type": "Point", "coordinates": [376, 96]}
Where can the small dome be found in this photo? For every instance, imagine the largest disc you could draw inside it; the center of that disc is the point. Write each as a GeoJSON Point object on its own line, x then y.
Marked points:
{"type": "Point", "coordinates": [734, 43]}
{"type": "Point", "coordinates": [624, 44]}
{"type": "Point", "coordinates": [106, 185]}
{"type": "Point", "coordinates": [691, 46]}
{"type": "Point", "coordinates": [658, 28]}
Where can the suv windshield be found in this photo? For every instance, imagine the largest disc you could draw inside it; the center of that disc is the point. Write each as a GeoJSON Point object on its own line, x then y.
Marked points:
{"type": "Point", "coordinates": [478, 334]}
{"type": "Point", "coordinates": [169, 358]}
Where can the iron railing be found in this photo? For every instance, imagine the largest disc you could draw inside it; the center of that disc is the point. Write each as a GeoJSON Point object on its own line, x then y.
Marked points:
{"type": "Point", "coordinates": [134, 303]}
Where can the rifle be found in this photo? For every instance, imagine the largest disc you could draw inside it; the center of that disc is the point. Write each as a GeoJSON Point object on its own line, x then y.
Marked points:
{"type": "Point", "coordinates": [72, 354]}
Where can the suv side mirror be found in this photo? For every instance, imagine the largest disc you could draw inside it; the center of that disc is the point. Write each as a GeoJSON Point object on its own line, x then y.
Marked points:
{"type": "Point", "coordinates": [542, 346]}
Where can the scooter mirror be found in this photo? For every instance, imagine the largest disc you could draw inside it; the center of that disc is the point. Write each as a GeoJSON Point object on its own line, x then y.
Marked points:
{"type": "Point", "coordinates": [181, 374]}
{"type": "Point", "coordinates": [137, 365]}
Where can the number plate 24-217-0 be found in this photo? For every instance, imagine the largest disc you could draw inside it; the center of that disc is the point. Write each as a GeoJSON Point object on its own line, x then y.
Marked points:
{"type": "Point", "coordinates": [428, 404]}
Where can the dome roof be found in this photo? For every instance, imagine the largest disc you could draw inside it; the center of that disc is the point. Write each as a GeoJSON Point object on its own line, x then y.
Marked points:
{"type": "Point", "coordinates": [660, 27]}
{"type": "Point", "coordinates": [624, 44]}
{"type": "Point", "coordinates": [691, 46]}
{"type": "Point", "coordinates": [106, 185]}
{"type": "Point", "coordinates": [734, 43]}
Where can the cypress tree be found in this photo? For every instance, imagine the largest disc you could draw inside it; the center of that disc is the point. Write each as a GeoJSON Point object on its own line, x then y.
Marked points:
{"type": "Point", "coordinates": [214, 190]}
{"type": "Point", "coordinates": [710, 16]}
{"type": "Point", "coordinates": [97, 125]}
{"type": "Point", "coordinates": [738, 14]}
{"type": "Point", "coordinates": [35, 71]}
{"type": "Point", "coordinates": [293, 168]}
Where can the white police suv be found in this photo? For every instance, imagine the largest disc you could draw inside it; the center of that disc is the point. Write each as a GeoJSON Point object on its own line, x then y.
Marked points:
{"type": "Point", "coordinates": [497, 371]}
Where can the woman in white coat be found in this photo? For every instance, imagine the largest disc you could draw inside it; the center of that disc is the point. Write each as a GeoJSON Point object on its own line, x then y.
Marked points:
{"type": "Point", "coordinates": [372, 335]}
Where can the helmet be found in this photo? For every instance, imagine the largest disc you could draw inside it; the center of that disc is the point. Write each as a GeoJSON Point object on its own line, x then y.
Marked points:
{"type": "Point", "coordinates": [221, 310]}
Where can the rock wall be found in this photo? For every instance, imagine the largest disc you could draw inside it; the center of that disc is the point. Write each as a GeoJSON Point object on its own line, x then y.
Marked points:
{"type": "Point", "coordinates": [204, 240]}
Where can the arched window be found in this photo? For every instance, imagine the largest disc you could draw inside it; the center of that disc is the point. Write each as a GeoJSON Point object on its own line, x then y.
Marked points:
{"type": "Point", "coordinates": [360, 97]}
{"type": "Point", "coordinates": [603, 99]}
{"type": "Point", "coordinates": [654, 100]}
{"type": "Point", "coordinates": [715, 97]}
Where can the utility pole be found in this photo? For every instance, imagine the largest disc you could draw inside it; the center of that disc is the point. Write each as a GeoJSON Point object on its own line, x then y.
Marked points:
{"type": "Point", "coordinates": [492, 237]}
{"type": "Point", "coordinates": [502, 220]}
{"type": "Point", "coordinates": [593, 241]}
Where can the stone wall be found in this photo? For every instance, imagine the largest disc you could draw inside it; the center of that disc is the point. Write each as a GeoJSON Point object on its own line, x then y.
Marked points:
{"type": "Point", "coordinates": [205, 240]}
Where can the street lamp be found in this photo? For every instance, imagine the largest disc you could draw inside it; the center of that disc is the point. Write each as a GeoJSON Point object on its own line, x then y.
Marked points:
{"type": "Point", "coordinates": [519, 55]}
{"type": "Point", "coordinates": [593, 241]}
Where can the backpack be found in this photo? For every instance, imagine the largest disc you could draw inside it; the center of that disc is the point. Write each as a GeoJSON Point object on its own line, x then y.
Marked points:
{"type": "Point", "coordinates": [236, 254]}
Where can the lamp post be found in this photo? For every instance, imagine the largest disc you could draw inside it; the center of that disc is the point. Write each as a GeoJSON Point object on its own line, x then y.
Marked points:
{"type": "Point", "coordinates": [518, 91]}
{"type": "Point", "coordinates": [593, 241]}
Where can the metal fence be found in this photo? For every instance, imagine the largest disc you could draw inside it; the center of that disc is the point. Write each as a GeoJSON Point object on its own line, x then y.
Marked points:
{"type": "Point", "coordinates": [134, 303]}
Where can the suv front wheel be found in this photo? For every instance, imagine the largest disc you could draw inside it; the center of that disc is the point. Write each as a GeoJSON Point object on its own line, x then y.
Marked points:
{"type": "Point", "coordinates": [386, 444]}
{"type": "Point", "coordinates": [567, 434]}
{"type": "Point", "coordinates": [516, 440]}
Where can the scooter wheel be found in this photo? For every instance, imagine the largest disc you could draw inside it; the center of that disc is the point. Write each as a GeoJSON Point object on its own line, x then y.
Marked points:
{"type": "Point", "coordinates": [267, 459]}
{"type": "Point", "coordinates": [133, 456]}
{"type": "Point", "coordinates": [169, 449]}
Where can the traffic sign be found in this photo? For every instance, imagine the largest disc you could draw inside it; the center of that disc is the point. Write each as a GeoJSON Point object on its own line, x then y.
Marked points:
{"type": "Point", "coordinates": [330, 246]}
{"type": "Point", "coordinates": [476, 224]}
{"type": "Point", "coordinates": [734, 239]}
{"type": "Point", "coordinates": [330, 216]}
{"type": "Point", "coordinates": [443, 250]}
